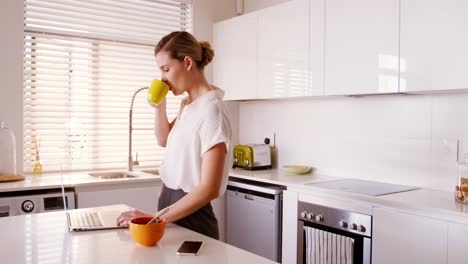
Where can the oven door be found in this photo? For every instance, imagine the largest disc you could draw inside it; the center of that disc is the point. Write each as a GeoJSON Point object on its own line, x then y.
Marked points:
{"type": "Point", "coordinates": [321, 244]}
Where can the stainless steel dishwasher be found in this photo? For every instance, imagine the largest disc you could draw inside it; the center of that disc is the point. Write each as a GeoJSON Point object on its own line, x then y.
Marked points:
{"type": "Point", "coordinates": [253, 217]}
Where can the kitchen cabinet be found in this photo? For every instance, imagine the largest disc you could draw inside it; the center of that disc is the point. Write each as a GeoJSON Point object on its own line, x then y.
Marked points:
{"type": "Point", "coordinates": [235, 60]}
{"type": "Point", "coordinates": [283, 50]}
{"type": "Point", "coordinates": [457, 242]}
{"type": "Point", "coordinates": [289, 227]}
{"type": "Point", "coordinates": [433, 46]}
{"type": "Point", "coordinates": [317, 47]}
{"type": "Point", "coordinates": [400, 237]}
{"type": "Point", "coordinates": [142, 196]}
{"type": "Point", "coordinates": [361, 46]}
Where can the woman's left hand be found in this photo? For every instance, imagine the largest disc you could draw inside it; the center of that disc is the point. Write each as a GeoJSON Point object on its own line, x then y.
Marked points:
{"type": "Point", "coordinates": [125, 217]}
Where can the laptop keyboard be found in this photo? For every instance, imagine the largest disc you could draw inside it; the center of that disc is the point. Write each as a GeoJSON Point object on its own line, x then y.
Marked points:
{"type": "Point", "coordinates": [86, 219]}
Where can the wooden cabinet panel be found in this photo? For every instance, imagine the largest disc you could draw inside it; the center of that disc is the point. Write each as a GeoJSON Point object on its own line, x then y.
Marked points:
{"type": "Point", "coordinates": [289, 227]}
{"type": "Point", "coordinates": [457, 243]}
{"type": "Point", "coordinates": [405, 238]}
{"type": "Point", "coordinates": [235, 60]}
{"type": "Point", "coordinates": [434, 52]}
{"type": "Point", "coordinates": [361, 47]}
{"type": "Point", "coordinates": [283, 50]}
{"type": "Point", "coordinates": [142, 196]}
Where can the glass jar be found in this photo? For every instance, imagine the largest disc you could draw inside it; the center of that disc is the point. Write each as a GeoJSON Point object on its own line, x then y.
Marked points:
{"type": "Point", "coordinates": [7, 151]}
{"type": "Point", "coordinates": [461, 189]}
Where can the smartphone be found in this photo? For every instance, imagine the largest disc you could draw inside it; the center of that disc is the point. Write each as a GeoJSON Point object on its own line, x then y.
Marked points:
{"type": "Point", "coordinates": [189, 248]}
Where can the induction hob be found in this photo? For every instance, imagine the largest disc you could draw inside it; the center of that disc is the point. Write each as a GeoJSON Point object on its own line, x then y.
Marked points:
{"type": "Point", "coordinates": [363, 187]}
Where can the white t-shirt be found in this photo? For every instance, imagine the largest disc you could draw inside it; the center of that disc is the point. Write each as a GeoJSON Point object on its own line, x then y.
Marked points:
{"type": "Point", "coordinates": [198, 127]}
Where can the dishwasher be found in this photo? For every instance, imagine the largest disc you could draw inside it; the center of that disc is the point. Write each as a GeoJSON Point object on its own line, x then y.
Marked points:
{"type": "Point", "coordinates": [253, 217]}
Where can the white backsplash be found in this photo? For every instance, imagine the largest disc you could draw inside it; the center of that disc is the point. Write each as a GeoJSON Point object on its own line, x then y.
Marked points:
{"type": "Point", "coordinates": [402, 139]}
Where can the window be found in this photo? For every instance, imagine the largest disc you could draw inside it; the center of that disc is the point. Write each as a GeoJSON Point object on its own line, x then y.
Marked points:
{"type": "Point", "coordinates": [83, 61]}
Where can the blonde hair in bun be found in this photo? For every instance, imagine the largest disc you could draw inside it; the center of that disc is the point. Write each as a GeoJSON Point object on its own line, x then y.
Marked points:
{"type": "Point", "coordinates": [207, 53]}
{"type": "Point", "coordinates": [181, 43]}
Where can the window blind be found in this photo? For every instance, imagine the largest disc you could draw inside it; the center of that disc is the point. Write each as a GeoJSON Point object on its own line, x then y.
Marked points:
{"type": "Point", "coordinates": [83, 61]}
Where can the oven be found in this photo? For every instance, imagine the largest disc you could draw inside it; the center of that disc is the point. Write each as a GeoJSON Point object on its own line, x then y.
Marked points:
{"type": "Point", "coordinates": [331, 235]}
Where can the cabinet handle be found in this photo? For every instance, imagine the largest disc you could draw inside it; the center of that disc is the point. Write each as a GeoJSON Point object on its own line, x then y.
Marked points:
{"type": "Point", "coordinates": [248, 197]}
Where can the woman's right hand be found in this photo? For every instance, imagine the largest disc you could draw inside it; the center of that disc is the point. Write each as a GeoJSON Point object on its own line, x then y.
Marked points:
{"type": "Point", "coordinates": [155, 106]}
{"type": "Point", "coordinates": [125, 217]}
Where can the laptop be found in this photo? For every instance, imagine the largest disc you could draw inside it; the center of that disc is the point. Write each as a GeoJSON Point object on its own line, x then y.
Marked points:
{"type": "Point", "coordinates": [97, 218]}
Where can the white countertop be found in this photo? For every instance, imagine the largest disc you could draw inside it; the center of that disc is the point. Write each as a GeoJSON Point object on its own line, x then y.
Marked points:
{"type": "Point", "coordinates": [44, 238]}
{"type": "Point", "coordinates": [433, 203]}
{"type": "Point", "coordinates": [76, 179]}
{"type": "Point", "coordinates": [277, 176]}
{"type": "Point", "coordinates": [428, 202]}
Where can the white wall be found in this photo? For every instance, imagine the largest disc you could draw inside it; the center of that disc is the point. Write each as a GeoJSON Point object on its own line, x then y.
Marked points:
{"type": "Point", "coordinates": [11, 71]}
{"type": "Point", "coordinates": [406, 139]}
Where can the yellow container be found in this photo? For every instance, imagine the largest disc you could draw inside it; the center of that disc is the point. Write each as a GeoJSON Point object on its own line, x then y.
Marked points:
{"type": "Point", "coordinates": [157, 91]}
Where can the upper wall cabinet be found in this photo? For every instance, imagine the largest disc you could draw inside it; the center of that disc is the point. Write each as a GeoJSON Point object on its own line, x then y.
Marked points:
{"type": "Point", "coordinates": [235, 60]}
{"type": "Point", "coordinates": [434, 45]}
{"type": "Point", "coordinates": [317, 47]}
{"type": "Point", "coordinates": [283, 50]}
{"type": "Point", "coordinates": [361, 46]}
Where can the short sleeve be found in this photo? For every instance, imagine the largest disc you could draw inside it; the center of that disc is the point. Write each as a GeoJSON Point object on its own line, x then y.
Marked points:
{"type": "Point", "coordinates": [214, 129]}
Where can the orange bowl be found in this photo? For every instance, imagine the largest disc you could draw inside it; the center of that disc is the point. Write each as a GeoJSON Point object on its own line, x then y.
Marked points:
{"type": "Point", "coordinates": [146, 235]}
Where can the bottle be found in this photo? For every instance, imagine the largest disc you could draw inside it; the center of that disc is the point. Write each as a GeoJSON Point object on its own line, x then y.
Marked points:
{"type": "Point", "coordinates": [7, 151]}
{"type": "Point", "coordinates": [37, 166]}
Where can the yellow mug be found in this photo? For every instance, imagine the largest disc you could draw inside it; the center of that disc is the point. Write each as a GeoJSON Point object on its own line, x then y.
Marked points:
{"type": "Point", "coordinates": [157, 91]}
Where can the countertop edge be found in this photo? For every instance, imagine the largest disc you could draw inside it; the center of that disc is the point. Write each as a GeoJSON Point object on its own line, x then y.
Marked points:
{"type": "Point", "coordinates": [391, 201]}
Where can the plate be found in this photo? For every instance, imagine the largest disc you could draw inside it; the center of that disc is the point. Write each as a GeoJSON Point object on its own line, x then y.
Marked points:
{"type": "Point", "coordinates": [295, 169]}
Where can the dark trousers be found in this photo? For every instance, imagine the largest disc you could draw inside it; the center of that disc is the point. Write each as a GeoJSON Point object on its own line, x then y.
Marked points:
{"type": "Point", "coordinates": [202, 221]}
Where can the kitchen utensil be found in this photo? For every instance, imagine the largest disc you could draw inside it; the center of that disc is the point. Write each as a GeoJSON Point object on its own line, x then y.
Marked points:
{"type": "Point", "coordinates": [144, 233]}
{"type": "Point", "coordinates": [158, 214]}
{"type": "Point", "coordinates": [295, 169]}
{"type": "Point", "coordinates": [8, 155]}
{"type": "Point", "coordinates": [461, 189]}
{"type": "Point", "coordinates": [10, 178]}
{"type": "Point", "coordinates": [252, 156]}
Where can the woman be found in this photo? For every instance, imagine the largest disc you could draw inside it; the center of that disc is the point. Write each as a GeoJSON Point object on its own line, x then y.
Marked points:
{"type": "Point", "coordinates": [194, 170]}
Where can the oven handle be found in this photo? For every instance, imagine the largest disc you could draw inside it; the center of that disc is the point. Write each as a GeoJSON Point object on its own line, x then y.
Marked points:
{"type": "Point", "coordinates": [300, 242]}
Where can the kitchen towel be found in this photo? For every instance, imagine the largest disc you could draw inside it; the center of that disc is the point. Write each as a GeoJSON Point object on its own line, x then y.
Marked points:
{"type": "Point", "coordinates": [322, 247]}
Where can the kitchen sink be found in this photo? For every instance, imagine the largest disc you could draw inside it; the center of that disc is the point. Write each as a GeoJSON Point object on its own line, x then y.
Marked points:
{"type": "Point", "coordinates": [154, 172]}
{"type": "Point", "coordinates": [112, 175]}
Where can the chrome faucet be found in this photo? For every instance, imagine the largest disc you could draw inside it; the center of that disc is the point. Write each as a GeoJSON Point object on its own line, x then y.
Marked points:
{"type": "Point", "coordinates": [132, 163]}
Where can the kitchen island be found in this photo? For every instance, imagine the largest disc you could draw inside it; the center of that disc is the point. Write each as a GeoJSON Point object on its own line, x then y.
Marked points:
{"type": "Point", "coordinates": [44, 238]}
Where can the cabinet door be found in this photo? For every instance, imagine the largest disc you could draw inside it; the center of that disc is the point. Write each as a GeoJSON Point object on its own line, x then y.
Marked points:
{"type": "Point", "coordinates": [405, 238]}
{"type": "Point", "coordinates": [235, 60]}
{"type": "Point", "coordinates": [434, 43]}
{"type": "Point", "coordinates": [457, 244]}
{"type": "Point", "coordinates": [317, 47]}
{"type": "Point", "coordinates": [283, 50]}
{"type": "Point", "coordinates": [289, 236]}
{"type": "Point", "coordinates": [142, 198]}
{"type": "Point", "coordinates": [361, 46]}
